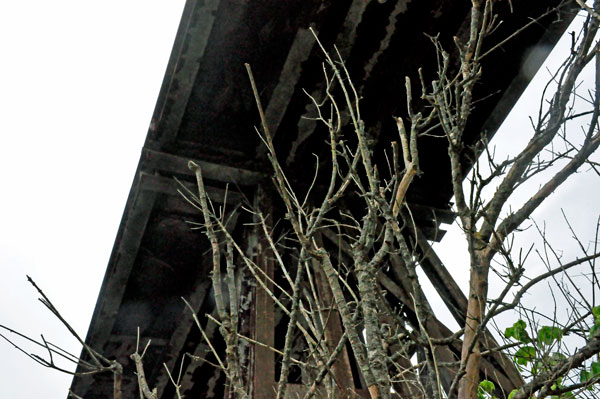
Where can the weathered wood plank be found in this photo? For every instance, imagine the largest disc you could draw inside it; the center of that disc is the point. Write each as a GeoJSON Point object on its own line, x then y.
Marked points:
{"type": "Point", "coordinates": [423, 212]}
{"type": "Point", "coordinates": [286, 86]}
{"type": "Point", "coordinates": [264, 313]}
{"type": "Point", "coordinates": [440, 277]}
{"type": "Point", "coordinates": [342, 371]}
{"type": "Point", "coordinates": [200, 352]}
{"type": "Point", "coordinates": [432, 326]}
{"type": "Point", "coordinates": [129, 237]}
{"type": "Point", "coordinates": [165, 185]}
{"type": "Point", "coordinates": [170, 163]}
{"type": "Point", "coordinates": [295, 391]}
{"type": "Point", "coordinates": [198, 25]}
{"type": "Point", "coordinates": [506, 376]}
{"type": "Point", "coordinates": [184, 324]}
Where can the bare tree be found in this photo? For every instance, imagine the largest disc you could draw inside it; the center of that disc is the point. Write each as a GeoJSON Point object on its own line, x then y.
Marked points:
{"type": "Point", "coordinates": [336, 262]}
{"type": "Point", "coordinates": [94, 363]}
{"type": "Point", "coordinates": [343, 253]}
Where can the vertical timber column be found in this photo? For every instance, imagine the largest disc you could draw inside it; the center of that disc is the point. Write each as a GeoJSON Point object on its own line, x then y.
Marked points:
{"type": "Point", "coordinates": [342, 371]}
{"type": "Point", "coordinates": [264, 311]}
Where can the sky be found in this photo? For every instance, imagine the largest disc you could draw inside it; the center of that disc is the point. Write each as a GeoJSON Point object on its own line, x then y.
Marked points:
{"type": "Point", "coordinates": [577, 197]}
{"type": "Point", "coordinates": [78, 85]}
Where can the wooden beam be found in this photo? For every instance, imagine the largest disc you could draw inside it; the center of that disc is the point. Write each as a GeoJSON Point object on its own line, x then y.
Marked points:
{"type": "Point", "coordinates": [165, 185]}
{"type": "Point", "coordinates": [290, 74]}
{"type": "Point", "coordinates": [404, 386]}
{"type": "Point", "coordinates": [264, 312]}
{"type": "Point", "coordinates": [200, 352]}
{"type": "Point", "coordinates": [507, 376]}
{"type": "Point", "coordinates": [433, 233]}
{"type": "Point", "coordinates": [174, 164]}
{"type": "Point", "coordinates": [424, 212]}
{"type": "Point", "coordinates": [436, 329]}
{"type": "Point", "coordinates": [347, 35]}
{"type": "Point", "coordinates": [341, 369]}
{"type": "Point", "coordinates": [295, 391]}
{"type": "Point", "coordinates": [440, 278]}
{"type": "Point", "coordinates": [197, 23]}
{"type": "Point", "coordinates": [432, 326]}
{"type": "Point", "coordinates": [137, 213]}
{"type": "Point", "coordinates": [400, 8]}
{"type": "Point", "coordinates": [185, 322]}
{"type": "Point", "coordinates": [344, 41]}
{"type": "Point", "coordinates": [402, 291]}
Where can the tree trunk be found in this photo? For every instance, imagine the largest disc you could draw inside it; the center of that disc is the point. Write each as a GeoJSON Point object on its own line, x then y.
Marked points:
{"type": "Point", "coordinates": [471, 348]}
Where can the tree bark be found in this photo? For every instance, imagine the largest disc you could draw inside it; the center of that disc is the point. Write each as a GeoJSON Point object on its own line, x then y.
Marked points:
{"type": "Point", "coordinates": [471, 348]}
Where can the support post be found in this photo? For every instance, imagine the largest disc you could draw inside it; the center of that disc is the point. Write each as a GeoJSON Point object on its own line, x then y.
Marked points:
{"type": "Point", "coordinates": [263, 379]}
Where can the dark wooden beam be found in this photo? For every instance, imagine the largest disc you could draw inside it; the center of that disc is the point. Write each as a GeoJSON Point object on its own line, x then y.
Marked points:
{"type": "Point", "coordinates": [436, 329]}
{"type": "Point", "coordinates": [132, 339]}
{"type": "Point", "coordinates": [195, 27]}
{"type": "Point", "coordinates": [344, 42]}
{"type": "Point", "coordinates": [402, 291]}
{"type": "Point", "coordinates": [295, 391]}
{"type": "Point", "coordinates": [440, 278]}
{"type": "Point", "coordinates": [432, 326]}
{"type": "Point", "coordinates": [402, 352]}
{"type": "Point", "coordinates": [174, 164]}
{"type": "Point", "coordinates": [424, 212]}
{"type": "Point", "coordinates": [400, 7]}
{"type": "Point", "coordinates": [286, 86]}
{"type": "Point", "coordinates": [169, 186]}
{"type": "Point", "coordinates": [530, 65]}
{"type": "Point", "coordinates": [341, 369]}
{"type": "Point", "coordinates": [264, 312]}
{"type": "Point", "coordinates": [507, 376]}
{"type": "Point", "coordinates": [185, 323]}
{"type": "Point", "coordinates": [433, 233]}
{"type": "Point", "coordinates": [199, 354]}
{"type": "Point", "coordinates": [129, 237]}
{"type": "Point", "coordinates": [347, 35]}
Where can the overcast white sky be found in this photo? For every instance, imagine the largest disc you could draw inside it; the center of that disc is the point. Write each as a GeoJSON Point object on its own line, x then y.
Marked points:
{"type": "Point", "coordinates": [577, 197]}
{"type": "Point", "coordinates": [78, 85]}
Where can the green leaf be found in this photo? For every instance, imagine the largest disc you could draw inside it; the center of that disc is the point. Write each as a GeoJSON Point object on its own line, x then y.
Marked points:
{"type": "Point", "coordinates": [596, 313]}
{"type": "Point", "coordinates": [518, 331]}
{"type": "Point", "coordinates": [595, 330]}
{"type": "Point", "coordinates": [595, 369]}
{"type": "Point", "coordinates": [525, 355]}
{"type": "Point", "coordinates": [512, 393]}
{"type": "Point", "coordinates": [548, 334]}
{"type": "Point", "coordinates": [487, 386]}
{"type": "Point", "coordinates": [594, 372]}
{"type": "Point", "coordinates": [584, 376]}
{"type": "Point", "coordinates": [538, 366]}
{"type": "Point", "coordinates": [555, 357]}
{"type": "Point", "coordinates": [559, 381]}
